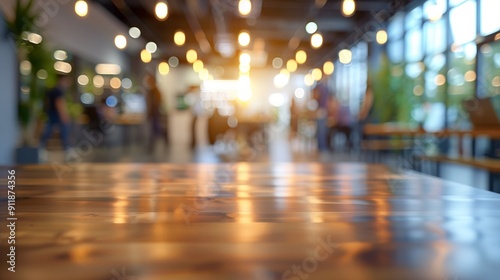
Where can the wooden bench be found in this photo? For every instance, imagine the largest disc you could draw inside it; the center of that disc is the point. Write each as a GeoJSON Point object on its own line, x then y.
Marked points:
{"type": "Point", "coordinates": [375, 147]}
{"type": "Point", "coordinates": [488, 164]}
{"type": "Point", "coordinates": [385, 145]}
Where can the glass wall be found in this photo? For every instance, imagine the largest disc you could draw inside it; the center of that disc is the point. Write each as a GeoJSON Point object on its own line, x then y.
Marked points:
{"type": "Point", "coordinates": [438, 54]}
{"type": "Point", "coordinates": [448, 49]}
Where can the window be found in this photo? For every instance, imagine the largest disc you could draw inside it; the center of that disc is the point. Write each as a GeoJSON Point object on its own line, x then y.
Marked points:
{"type": "Point", "coordinates": [413, 41]}
{"type": "Point", "coordinates": [434, 9]}
{"type": "Point", "coordinates": [454, 3]}
{"type": "Point", "coordinates": [463, 23]}
{"type": "Point", "coordinates": [395, 51]}
{"type": "Point", "coordinates": [461, 81]}
{"type": "Point", "coordinates": [395, 29]}
{"type": "Point", "coordinates": [435, 37]}
{"type": "Point", "coordinates": [489, 69]}
{"type": "Point", "coordinates": [414, 18]}
{"type": "Point", "coordinates": [490, 21]}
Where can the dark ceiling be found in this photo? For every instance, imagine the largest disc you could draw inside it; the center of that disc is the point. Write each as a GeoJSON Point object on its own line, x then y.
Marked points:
{"type": "Point", "coordinates": [276, 28]}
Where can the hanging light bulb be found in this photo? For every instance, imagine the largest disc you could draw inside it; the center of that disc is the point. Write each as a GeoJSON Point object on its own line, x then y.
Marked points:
{"type": "Point", "coordinates": [197, 66]}
{"type": "Point", "coordinates": [345, 56]}
{"type": "Point", "coordinates": [316, 40]}
{"type": "Point", "coordinates": [381, 37]}
{"type": "Point", "coordinates": [245, 58]}
{"type": "Point", "coordinates": [317, 74]}
{"type": "Point", "coordinates": [348, 7]}
{"type": "Point", "coordinates": [161, 10]}
{"type": "Point", "coordinates": [163, 68]}
{"type": "Point", "coordinates": [179, 38]}
{"type": "Point", "coordinates": [291, 65]}
{"type": "Point", "coordinates": [120, 42]}
{"type": "Point", "coordinates": [308, 80]}
{"type": "Point", "coordinates": [191, 56]}
{"type": "Point", "coordinates": [244, 38]}
{"type": "Point", "coordinates": [245, 7]}
{"type": "Point", "coordinates": [145, 56]}
{"type": "Point", "coordinates": [328, 68]}
{"type": "Point", "coordinates": [301, 57]}
{"type": "Point", "coordinates": [81, 8]}
{"type": "Point", "coordinates": [311, 27]}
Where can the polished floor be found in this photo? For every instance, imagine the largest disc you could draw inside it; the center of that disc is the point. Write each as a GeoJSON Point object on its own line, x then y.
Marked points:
{"type": "Point", "coordinates": [249, 221]}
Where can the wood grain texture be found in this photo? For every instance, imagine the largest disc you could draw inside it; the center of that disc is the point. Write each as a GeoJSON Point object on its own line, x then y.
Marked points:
{"type": "Point", "coordinates": [248, 221]}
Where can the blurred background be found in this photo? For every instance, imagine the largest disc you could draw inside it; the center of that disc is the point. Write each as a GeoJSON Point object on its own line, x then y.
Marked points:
{"type": "Point", "coordinates": [246, 80]}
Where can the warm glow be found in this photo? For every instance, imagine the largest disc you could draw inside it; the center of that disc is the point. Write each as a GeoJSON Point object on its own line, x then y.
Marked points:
{"type": "Point", "coordinates": [83, 80]}
{"type": "Point", "coordinates": [245, 7]}
{"type": "Point", "coordinates": [163, 68]}
{"type": "Point", "coordinates": [245, 58]}
{"type": "Point", "coordinates": [244, 68]}
{"type": "Point", "coordinates": [120, 42]}
{"type": "Point", "coordinates": [301, 57]}
{"type": "Point", "coordinates": [197, 66]}
{"type": "Point", "coordinates": [311, 27]}
{"type": "Point", "coordinates": [161, 10]}
{"type": "Point", "coordinates": [299, 92]}
{"type": "Point", "coordinates": [381, 37]}
{"type": "Point", "coordinates": [81, 8]}
{"type": "Point", "coordinates": [317, 74]}
{"type": "Point", "coordinates": [244, 80]}
{"type": "Point", "coordinates": [345, 56]}
{"type": "Point", "coordinates": [35, 38]}
{"type": "Point", "coordinates": [108, 69]}
{"type": "Point", "coordinates": [25, 67]}
{"type": "Point", "coordinates": [245, 94]}
{"type": "Point", "coordinates": [244, 39]}
{"type": "Point", "coordinates": [115, 83]}
{"type": "Point", "coordinates": [63, 67]}
{"type": "Point", "coordinates": [308, 80]}
{"type": "Point", "coordinates": [348, 7]}
{"type": "Point", "coordinates": [291, 65]}
{"type": "Point", "coordinates": [470, 76]}
{"type": "Point", "coordinates": [179, 38]}
{"type": "Point", "coordinates": [145, 56]}
{"type": "Point", "coordinates": [496, 81]}
{"type": "Point", "coordinates": [440, 80]}
{"type": "Point", "coordinates": [328, 68]}
{"type": "Point", "coordinates": [316, 40]}
{"type": "Point", "coordinates": [418, 90]}
{"type": "Point", "coordinates": [204, 75]}
{"type": "Point", "coordinates": [191, 56]}
{"type": "Point", "coordinates": [60, 55]}
{"type": "Point", "coordinates": [276, 99]}
{"type": "Point", "coordinates": [285, 72]}
{"type": "Point", "coordinates": [98, 81]}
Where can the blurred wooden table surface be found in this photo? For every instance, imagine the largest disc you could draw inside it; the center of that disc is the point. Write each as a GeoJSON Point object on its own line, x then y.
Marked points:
{"type": "Point", "coordinates": [248, 221]}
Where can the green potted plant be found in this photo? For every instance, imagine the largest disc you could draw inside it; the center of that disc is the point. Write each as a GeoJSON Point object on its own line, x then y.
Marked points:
{"type": "Point", "coordinates": [36, 64]}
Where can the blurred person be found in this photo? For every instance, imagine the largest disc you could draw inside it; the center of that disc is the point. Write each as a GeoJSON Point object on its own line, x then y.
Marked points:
{"type": "Point", "coordinates": [155, 114]}
{"type": "Point", "coordinates": [340, 121]}
{"type": "Point", "coordinates": [321, 94]}
{"type": "Point", "coordinates": [194, 101]}
{"type": "Point", "coordinates": [294, 119]}
{"type": "Point", "coordinates": [57, 113]}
